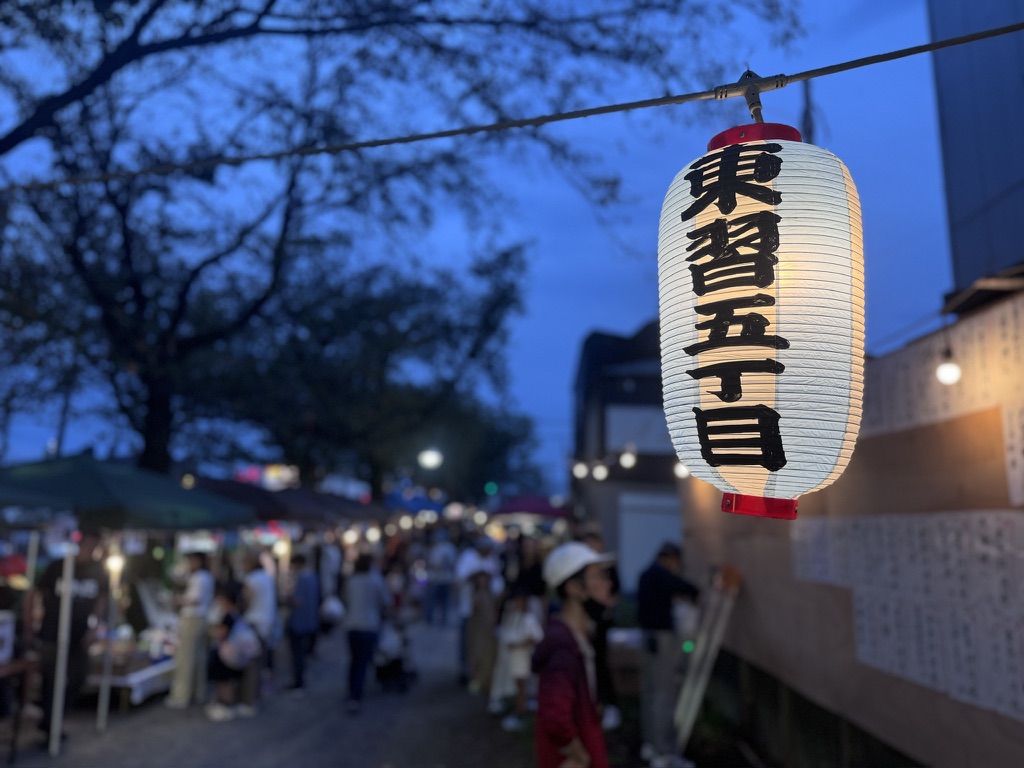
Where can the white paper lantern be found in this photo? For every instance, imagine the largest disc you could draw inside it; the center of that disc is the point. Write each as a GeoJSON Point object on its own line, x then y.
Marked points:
{"type": "Point", "coordinates": [761, 281]}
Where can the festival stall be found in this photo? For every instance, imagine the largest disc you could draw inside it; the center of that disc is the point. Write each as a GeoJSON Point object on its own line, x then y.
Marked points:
{"type": "Point", "coordinates": [136, 510]}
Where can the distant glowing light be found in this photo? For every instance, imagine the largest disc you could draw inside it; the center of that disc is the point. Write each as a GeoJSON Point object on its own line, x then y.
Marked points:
{"type": "Point", "coordinates": [115, 563]}
{"type": "Point", "coordinates": [600, 472]}
{"type": "Point", "coordinates": [580, 470]}
{"type": "Point", "coordinates": [681, 471]}
{"type": "Point", "coordinates": [430, 458]}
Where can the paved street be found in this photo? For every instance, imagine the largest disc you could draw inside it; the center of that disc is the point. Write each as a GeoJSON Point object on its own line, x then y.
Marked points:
{"type": "Point", "coordinates": [435, 725]}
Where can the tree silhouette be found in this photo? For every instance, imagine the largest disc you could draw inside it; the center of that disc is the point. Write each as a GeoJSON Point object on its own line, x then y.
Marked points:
{"type": "Point", "coordinates": [130, 284]}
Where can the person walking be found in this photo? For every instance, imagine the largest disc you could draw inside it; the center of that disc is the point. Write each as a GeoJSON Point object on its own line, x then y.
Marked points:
{"type": "Point", "coordinates": [481, 634]}
{"type": "Point", "coordinates": [567, 732]}
{"type": "Point", "coordinates": [476, 558]}
{"type": "Point", "coordinates": [603, 616]}
{"type": "Point", "coordinates": [303, 618]}
{"type": "Point", "coordinates": [260, 601]}
{"type": "Point", "coordinates": [661, 675]}
{"type": "Point", "coordinates": [441, 559]}
{"type": "Point", "coordinates": [189, 682]}
{"type": "Point", "coordinates": [366, 604]}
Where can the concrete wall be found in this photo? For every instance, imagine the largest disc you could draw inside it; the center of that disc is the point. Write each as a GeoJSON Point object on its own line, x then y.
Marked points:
{"type": "Point", "coordinates": [804, 633]}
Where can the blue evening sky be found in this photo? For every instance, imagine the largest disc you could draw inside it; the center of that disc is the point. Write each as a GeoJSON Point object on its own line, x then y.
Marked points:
{"type": "Point", "coordinates": [881, 121]}
{"type": "Point", "coordinates": [586, 275]}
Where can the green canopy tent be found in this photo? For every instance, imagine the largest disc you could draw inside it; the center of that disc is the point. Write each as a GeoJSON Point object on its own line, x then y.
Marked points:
{"type": "Point", "coordinates": [106, 494]}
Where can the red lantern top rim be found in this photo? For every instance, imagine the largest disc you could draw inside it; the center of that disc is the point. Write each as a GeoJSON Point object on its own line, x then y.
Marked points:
{"type": "Point", "coordinates": [741, 134]}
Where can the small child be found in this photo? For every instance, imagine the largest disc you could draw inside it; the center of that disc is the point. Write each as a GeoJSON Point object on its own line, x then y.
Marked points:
{"type": "Point", "coordinates": [520, 632]}
{"type": "Point", "coordinates": [224, 677]}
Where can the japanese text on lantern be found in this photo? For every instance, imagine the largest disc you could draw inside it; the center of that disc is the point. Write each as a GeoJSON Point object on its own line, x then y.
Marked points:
{"type": "Point", "coordinates": [730, 253]}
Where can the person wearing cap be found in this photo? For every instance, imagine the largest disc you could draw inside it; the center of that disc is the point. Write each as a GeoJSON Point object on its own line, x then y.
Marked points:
{"type": "Point", "coordinates": [568, 731]}
{"type": "Point", "coordinates": [659, 586]}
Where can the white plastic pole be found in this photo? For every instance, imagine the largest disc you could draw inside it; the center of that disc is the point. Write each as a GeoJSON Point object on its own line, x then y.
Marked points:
{"type": "Point", "coordinates": [60, 676]}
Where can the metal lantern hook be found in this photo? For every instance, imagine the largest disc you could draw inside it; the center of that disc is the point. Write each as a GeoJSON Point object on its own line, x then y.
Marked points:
{"type": "Point", "coordinates": [752, 94]}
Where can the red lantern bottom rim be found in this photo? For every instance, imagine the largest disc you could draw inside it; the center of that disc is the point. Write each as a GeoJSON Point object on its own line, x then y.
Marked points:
{"type": "Point", "coordinates": [759, 506]}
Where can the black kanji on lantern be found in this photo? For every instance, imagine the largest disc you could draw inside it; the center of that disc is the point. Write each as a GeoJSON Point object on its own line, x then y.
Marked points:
{"type": "Point", "coordinates": [731, 388]}
{"type": "Point", "coordinates": [741, 251]}
{"type": "Point", "coordinates": [740, 435]}
{"type": "Point", "coordinates": [752, 325]}
{"type": "Point", "coordinates": [739, 169]}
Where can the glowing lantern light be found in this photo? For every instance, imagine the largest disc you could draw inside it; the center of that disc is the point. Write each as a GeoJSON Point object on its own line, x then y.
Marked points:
{"type": "Point", "coordinates": [761, 284]}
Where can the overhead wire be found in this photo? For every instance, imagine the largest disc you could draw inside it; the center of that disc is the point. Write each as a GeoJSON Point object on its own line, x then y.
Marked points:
{"type": "Point", "coordinates": [742, 88]}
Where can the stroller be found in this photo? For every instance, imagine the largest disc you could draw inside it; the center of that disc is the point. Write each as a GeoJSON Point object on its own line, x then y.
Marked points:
{"type": "Point", "coordinates": [391, 658]}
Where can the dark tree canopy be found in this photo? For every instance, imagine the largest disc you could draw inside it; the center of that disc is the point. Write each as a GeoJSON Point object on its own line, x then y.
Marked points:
{"type": "Point", "coordinates": [155, 289]}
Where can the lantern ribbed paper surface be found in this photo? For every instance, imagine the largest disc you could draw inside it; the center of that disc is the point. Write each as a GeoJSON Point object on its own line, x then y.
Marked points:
{"type": "Point", "coordinates": [761, 282]}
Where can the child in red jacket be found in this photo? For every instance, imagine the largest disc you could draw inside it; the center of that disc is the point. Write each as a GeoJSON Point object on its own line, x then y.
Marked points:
{"type": "Point", "coordinates": [568, 726]}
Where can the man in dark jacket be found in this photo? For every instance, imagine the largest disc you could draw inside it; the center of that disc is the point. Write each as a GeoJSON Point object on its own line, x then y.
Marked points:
{"type": "Point", "coordinates": [659, 587]}
{"type": "Point", "coordinates": [568, 727]}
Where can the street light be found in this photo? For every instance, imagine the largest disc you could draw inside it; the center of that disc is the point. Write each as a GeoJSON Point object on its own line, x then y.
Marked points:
{"type": "Point", "coordinates": [580, 470]}
{"type": "Point", "coordinates": [430, 458]}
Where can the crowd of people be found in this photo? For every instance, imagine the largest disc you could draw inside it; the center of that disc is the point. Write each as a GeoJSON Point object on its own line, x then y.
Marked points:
{"type": "Point", "coordinates": [532, 615]}
{"type": "Point", "coordinates": [230, 629]}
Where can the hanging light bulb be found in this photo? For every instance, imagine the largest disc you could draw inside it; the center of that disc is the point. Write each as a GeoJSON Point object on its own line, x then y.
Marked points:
{"type": "Point", "coordinates": [948, 372]}
{"type": "Point", "coordinates": [628, 458]}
